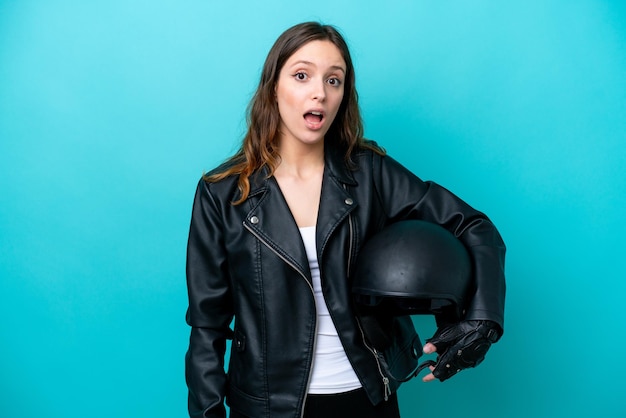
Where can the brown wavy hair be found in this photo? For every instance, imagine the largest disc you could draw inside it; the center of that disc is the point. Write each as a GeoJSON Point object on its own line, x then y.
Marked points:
{"type": "Point", "coordinates": [259, 146]}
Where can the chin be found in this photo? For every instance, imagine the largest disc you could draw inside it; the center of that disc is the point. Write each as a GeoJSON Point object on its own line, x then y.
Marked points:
{"type": "Point", "coordinates": [312, 139]}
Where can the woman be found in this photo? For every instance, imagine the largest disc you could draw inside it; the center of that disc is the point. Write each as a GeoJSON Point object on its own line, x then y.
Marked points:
{"type": "Point", "coordinates": [274, 236]}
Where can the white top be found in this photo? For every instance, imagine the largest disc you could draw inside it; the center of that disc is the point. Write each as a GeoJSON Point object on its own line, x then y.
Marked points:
{"type": "Point", "coordinates": [332, 372]}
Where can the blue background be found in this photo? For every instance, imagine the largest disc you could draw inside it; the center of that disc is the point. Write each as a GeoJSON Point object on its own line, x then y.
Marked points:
{"type": "Point", "coordinates": [111, 110]}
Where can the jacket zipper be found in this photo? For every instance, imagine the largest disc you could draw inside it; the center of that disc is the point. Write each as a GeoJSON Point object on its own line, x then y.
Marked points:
{"type": "Point", "coordinates": [293, 266]}
{"type": "Point", "coordinates": [351, 227]}
{"type": "Point", "coordinates": [375, 353]}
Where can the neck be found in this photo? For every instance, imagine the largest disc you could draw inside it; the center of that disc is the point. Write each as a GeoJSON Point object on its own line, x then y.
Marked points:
{"type": "Point", "coordinates": [300, 160]}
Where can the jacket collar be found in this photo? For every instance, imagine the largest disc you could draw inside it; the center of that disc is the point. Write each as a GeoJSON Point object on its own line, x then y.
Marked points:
{"type": "Point", "coordinates": [334, 158]}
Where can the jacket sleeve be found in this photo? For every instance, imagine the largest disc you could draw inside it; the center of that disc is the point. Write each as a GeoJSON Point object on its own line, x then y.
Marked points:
{"type": "Point", "coordinates": [210, 308]}
{"type": "Point", "coordinates": [405, 196]}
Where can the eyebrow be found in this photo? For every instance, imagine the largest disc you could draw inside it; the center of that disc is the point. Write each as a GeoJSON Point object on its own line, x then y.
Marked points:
{"type": "Point", "coordinates": [334, 67]}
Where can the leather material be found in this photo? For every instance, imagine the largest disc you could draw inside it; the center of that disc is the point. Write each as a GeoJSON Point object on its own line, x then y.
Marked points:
{"type": "Point", "coordinates": [462, 345]}
{"type": "Point", "coordinates": [248, 262]}
{"type": "Point", "coordinates": [382, 333]}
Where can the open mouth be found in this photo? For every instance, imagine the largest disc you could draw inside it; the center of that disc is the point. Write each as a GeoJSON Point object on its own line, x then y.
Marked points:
{"type": "Point", "coordinates": [314, 117]}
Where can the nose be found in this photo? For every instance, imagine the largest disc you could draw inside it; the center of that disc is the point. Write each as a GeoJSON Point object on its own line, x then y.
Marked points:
{"type": "Point", "coordinates": [319, 91]}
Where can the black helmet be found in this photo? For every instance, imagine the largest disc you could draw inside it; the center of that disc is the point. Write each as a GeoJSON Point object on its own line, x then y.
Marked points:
{"type": "Point", "coordinates": [413, 267]}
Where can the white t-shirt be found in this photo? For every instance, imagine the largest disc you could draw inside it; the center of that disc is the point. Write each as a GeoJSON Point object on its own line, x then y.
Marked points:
{"type": "Point", "coordinates": [332, 372]}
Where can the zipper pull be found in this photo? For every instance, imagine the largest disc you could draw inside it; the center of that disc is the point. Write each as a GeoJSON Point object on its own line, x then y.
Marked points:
{"type": "Point", "coordinates": [387, 388]}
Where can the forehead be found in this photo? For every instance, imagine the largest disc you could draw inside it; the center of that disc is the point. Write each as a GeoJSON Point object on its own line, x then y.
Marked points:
{"type": "Point", "coordinates": [318, 53]}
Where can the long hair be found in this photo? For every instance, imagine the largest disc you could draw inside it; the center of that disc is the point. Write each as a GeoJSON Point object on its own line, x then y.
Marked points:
{"type": "Point", "coordinates": [259, 146]}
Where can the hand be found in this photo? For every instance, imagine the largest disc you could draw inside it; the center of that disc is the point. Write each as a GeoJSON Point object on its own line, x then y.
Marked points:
{"type": "Point", "coordinates": [429, 349]}
{"type": "Point", "coordinates": [460, 346]}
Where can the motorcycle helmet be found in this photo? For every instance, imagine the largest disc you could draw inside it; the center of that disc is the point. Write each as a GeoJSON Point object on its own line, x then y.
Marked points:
{"type": "Point", "coordinates": [413, 267]}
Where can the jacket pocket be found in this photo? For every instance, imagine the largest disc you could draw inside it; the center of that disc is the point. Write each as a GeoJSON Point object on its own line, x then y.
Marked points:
{"type": "Point", "coordinates": [246, 404]}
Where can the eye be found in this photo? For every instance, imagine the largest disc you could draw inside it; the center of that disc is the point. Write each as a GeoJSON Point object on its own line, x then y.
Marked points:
{"type": "Point", "coordinates": [334, 81]}
{"type": "Point", "coordinates": [300, 76]}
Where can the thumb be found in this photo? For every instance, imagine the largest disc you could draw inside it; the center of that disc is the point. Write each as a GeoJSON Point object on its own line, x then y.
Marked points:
{"type": "Point", "coordinates": [429, 348]}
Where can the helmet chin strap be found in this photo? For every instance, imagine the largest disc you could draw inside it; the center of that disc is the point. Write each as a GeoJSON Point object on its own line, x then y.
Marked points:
{"type": "Point", "coordinates": [418, 369]}
{"type": "Point", "coordinates": [424, 365]}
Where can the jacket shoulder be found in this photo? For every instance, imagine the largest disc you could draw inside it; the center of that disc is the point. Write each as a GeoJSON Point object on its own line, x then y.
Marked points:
{"type": "Point", "coordinates": [225, 188]}
{"type": "Point", "coordinates": [364, 154]}
{"type": "Point", "coordinates": [368, 156]}
{"type": "Point", "coordinates": [370, 147]}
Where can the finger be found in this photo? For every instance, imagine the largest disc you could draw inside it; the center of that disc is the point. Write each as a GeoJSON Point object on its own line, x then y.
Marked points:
{"type": "Point", "coordinates": [428, 378]}
{"type": "Point", "coordinates": [429, 348]}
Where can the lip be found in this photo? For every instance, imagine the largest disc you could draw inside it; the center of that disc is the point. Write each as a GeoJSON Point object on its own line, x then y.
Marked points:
{"type": "Point", "coordinates": [314, 126]}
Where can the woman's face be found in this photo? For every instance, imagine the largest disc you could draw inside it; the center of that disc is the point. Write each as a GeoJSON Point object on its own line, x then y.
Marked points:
{"type": "Point", "coordinates": [309, 92]}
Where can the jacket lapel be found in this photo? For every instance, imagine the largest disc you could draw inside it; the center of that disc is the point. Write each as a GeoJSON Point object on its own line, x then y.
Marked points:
{"type": "Point", "coordinates": [335, 205]}
{"type": "Point", "coordinates": [335, 202]}
{"type": "Point", "coordinates": [271, 221]}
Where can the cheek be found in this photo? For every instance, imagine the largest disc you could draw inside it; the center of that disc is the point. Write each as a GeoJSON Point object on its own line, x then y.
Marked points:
{"type": "Point", "coordinates": [285, 108]}
{"type": "Point", "coordinates": [337, 101]}
{"type": "Point", "coordinates": [285, 100]}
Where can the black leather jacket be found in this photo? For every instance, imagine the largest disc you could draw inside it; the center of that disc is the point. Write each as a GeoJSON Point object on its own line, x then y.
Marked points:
{"type": "Point", "coordinates": [248, 262]}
